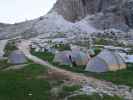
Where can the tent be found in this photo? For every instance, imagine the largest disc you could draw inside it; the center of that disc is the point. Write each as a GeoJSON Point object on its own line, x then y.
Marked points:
{"type": "Point", "coordinates": [123, 55]}
{"type": "Point", "coordinates": [80, 58]}
{"type": "Point", "coordinates": [17, 57]}
{"type": "Point", "coordinates": [107, 60]}
{"type": "Point", "coordinates": [63, 58]}
{"type": "Point", "coordinates": [76, 58]}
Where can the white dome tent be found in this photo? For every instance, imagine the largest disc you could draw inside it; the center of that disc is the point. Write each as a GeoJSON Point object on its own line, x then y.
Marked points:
{"type": "Point", "coordinates": [107, 60]}
{"type": "Point", "coordinates": [62, 58]}
{"type": "Point", "coordinates": [77, 58]}
{"type": "Point", "coordinates": [80, 58]}
{"type": "Point", "coordinates": [17, 57]}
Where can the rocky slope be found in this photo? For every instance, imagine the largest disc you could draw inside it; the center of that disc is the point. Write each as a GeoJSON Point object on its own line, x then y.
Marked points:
{"type": "Point", "coordinates": [48, 24]}
{"type": "Point", "coordinates": [106, 13]}
{"type": "Point", "coordinates": [76, 16]}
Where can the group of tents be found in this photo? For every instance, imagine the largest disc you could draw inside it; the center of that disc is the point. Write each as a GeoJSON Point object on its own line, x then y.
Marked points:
{"type": "Point", "coordinates": [106, 60]}
{"type": "Point", "coordinates": [76, 58]}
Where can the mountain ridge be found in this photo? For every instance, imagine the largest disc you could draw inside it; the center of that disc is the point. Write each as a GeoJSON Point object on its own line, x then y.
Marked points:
{"type": "Point", "coordinates": [76, 16]}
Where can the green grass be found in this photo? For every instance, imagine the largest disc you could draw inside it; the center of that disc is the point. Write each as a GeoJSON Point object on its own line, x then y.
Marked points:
{"type": "Point", "coordinates": [62, 47]}
{"type": "Point", "coordinates": [44, 55]}
{"type": "Point", "coordinates": [102, 41]}
{"type": "Point", "coordinates": [4, 63]}
{"type": "Point", "coordinates": [68, 90]}
{"type": "Point", "coordinates": [94, 97]}
{"type": "Point", "coordinates": [18, 84]}
{"type": "Point", "coordinates": [77, 69]}
{"type": "Point", "coordinates": [71, 88]}
{"type": "Point", "coordinates": [123, 77]}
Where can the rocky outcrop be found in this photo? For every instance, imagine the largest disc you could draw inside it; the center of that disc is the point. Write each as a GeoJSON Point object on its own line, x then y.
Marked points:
{"type": "Point", "coordinates": [125, 92]}
{"type": "Point", "coordinates": [115, 13]}
{"type": "Point", "coordinates": [128, 12]}
{"type": "Point", "coordinates": [49, 24]}
{"type": "Point", "coordinates": [74, 10]}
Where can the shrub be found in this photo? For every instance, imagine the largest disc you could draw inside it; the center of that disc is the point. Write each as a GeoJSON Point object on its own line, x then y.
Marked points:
{"type": "Point", "coordinates": [71, 88]}
{"type": "Point", "coordinates": [11, 46]}
{"type": "Point", "coordinates": [4, 63]}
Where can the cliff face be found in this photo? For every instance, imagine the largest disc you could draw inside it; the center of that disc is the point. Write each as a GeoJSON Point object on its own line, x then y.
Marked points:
{"type": "Point", "coordinates": [77, 9]}
{"type": "Point", "coordinates": [128, 12]}
{"type": "Point", "coordinates": [76, 16]}
{"type": "Point", "coordinates": [115, 13]}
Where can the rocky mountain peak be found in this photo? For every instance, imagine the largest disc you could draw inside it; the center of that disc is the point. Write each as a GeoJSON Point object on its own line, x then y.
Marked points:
{"type": "Point", "coordinates": [114, 12]}
{"type": "Point", "coordinates": [74, 10]}
{"type": "Point", "coordinates": [76, 16]}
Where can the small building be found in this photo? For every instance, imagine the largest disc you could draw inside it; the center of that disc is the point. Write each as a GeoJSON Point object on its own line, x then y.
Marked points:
{"type": "Point", "coordinates": [107, 60]}
{"type": "Point", "coordinates": [17, 57]}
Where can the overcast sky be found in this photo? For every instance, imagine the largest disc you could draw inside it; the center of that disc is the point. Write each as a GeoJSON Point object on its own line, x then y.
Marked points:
{"type": "Point", "coordinates": [12, 11]}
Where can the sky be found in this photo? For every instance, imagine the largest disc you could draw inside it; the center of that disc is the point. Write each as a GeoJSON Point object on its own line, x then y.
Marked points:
{"type": "Point", "coordinates": [13, 11]}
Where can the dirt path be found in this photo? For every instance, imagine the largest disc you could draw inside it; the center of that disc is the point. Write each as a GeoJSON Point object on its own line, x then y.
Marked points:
{"type": "Point", "coordinates": [74, 76]}
{"type": "Point", "coordinates": [101, 86]}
